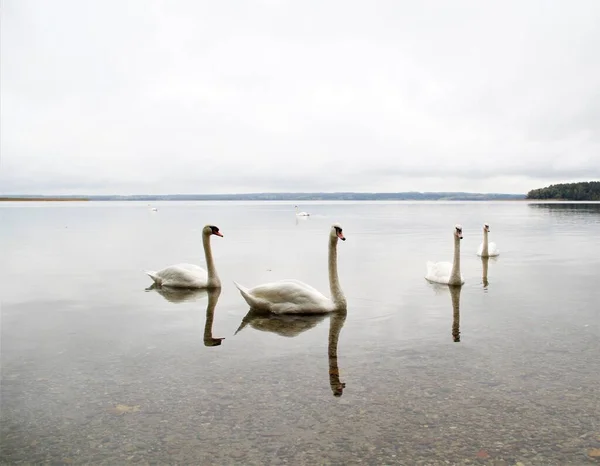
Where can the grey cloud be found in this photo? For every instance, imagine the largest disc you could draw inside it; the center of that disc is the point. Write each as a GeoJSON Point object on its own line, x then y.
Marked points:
{"type": "Point", "coordinates": [136, 96]}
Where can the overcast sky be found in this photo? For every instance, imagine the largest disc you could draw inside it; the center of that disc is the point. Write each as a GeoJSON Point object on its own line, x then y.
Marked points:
{"type": "Point", "coordinates": [189, 96]}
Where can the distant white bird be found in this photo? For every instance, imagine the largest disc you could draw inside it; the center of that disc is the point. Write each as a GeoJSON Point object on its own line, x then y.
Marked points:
{"type": "Point", "coordinates": [487, 249]}
{"type": "Point", "coordinates": [445, 272]}
{"type": "Point", "coordinates": [301, 214]}
{"type": "Point", "coordinates": [154, 209]}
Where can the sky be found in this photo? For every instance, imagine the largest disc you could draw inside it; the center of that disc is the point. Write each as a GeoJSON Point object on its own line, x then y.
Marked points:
{"type": "Point", "coordinates": [194, 96]}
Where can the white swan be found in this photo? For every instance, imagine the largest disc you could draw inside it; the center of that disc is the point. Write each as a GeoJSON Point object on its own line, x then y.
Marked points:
{"type": "Point", "coordinates": [190, 275]}
{"type": "Point", "coordinates": [296, 297]}
{"type": "Point", "coordinates": [487, 249]}
{"type": "Point", "coordinates": [445, 272]}
{"type": "Point", "coordinates": [301, 214]}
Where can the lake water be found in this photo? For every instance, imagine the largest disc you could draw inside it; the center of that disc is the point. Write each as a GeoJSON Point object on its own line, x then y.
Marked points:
{"type": "Point", "coordinates": [96, 369]}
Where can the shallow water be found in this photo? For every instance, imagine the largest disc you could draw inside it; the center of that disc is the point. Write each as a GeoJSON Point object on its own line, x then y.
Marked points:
{"type": "Point", "coordinates": [96, 369]}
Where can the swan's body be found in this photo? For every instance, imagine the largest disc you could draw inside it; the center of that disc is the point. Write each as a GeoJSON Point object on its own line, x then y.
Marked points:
{"type": "Point", "coordinates": [441, 272]}
{"type": "Point", "coordinates": [287, 297]}
{"type": "Point", "coordinates": [301, 214]}
{"type": "Point", "coordinates": [190, 275]}
{"type": "Point", "coordinates": [445, 272]}
{"type": "Point", "coordinates": [181, 276]}
{"type": "Point", "coordinates": [295, 297]}
{"type": "Point", "coordinates": [154, 209]}
{"type": "Point", "coordinates": [487, 249]}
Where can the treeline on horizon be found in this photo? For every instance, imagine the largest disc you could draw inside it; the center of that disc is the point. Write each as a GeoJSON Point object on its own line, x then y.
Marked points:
{"type": "Point", "coordinates": [341, 196]}
{"type": "Point", "coordinates": [584, 191]}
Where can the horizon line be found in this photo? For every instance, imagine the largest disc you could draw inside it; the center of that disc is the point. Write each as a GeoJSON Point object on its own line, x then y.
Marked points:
{"type": "Point", "coordinates": [287, 193]}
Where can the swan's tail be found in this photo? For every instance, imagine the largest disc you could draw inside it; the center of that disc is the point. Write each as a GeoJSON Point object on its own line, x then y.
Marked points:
{"type": "Point", "coordinates": [245, 293]}
{"type": "Point", "coordinates": [153, 276]}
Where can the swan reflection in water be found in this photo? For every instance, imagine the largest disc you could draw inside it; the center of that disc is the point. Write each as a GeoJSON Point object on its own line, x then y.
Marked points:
{"type": "Point", "coordinates": [455, 294]}
{"type": "Point", "coordinates": [455, 297]}
{"type": "Point", "coordinates": [484, 262]}
{"type": "Point", "coordinates": [292, 325]}
{"type": "Point", "coordinates": [181, 295]}
{"type": "Point", "coordinates": [301, 219]}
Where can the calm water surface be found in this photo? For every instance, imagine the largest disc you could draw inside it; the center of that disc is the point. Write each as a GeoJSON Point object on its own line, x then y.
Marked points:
{"type": "Point", "coordinates": [96, 369]}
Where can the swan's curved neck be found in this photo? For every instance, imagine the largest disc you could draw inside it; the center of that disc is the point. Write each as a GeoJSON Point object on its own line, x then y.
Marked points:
{"type": "Point", "coordinates": [336, 322]}
{"type": "Point", "coordinates": [213, 278]}
{"type": "Point", "coordinates": [455, 276]}
{"type": "Point", "coordinates": [484, 251]}
{"type": "Point", "coordinates": [337, 295]}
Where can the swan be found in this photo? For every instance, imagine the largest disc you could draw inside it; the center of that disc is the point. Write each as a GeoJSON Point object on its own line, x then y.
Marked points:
{"type": "Point", "coordinates": [301, 214]}
{"type": "Point", "coordinates": [295, 297]}
{"type": "Point", "coordinates": [445, 272]}
{"type": "Point", "coordinates": [190, 275]}
{"type": "Point", "coordinates": [487, 249]}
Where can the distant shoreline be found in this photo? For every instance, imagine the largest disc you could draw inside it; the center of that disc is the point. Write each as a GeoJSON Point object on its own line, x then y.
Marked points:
{"type": "Point", "coordinates": [291, 197]}
{"type": "Point", "coordinates": [42, 199]}
{"type": "Point", "coordinates": [291, 200]}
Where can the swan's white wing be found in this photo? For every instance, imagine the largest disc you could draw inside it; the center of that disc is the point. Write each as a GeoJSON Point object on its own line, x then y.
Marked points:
{"type": "Point", "coordinates": [183, 276]}
{"type": "Point", "coordinates": [309, 288]}
{"type": "Point", "coordinates": [439, 272]}
{"type": "Point", "coordinates": [493, 249]}
{"type": "Point", "coordinates": [287, 297]}
{"type": "Point", "coordinates": [284, 291]}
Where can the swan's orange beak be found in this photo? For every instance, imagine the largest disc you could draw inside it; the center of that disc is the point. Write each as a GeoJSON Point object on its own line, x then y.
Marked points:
{"type": "Point", "coordinates": [340, 235]}
{"type": "Point", "coordinates": [218, 233]}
